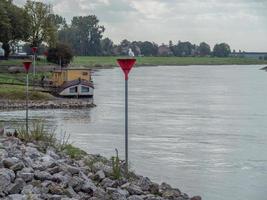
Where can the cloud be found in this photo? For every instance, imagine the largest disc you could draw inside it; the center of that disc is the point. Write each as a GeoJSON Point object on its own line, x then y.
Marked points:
{"type": "Point", "coordinates": [241, 23]}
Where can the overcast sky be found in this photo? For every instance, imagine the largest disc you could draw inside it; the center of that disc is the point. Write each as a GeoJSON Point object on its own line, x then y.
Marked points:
{"type": "Point", "coordinates": [241, 23]}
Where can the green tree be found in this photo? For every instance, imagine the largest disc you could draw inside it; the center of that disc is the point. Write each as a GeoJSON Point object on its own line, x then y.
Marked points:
{"type": "Point", "coordinates": [14, 24]}
{"type": "Point", "coordinates": [148, 48]}
{"type": "Point", "coordinates": [61, 54]}
{"type": "Point", "coordinates": [221, 50]}
{"type": "Point", "coordinates": [183, 49]}
{"type": "Point", "coordinates": [42, 27]}
{"type": "Point", "coordinates": [204, 49]}
{"type": "Point", "coordinates": [106, 46]}
{"type": "Point", "coordinates": [88, 34]}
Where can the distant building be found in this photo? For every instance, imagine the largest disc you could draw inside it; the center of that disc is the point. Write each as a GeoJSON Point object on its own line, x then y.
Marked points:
{"type": "Point", "coordinates": [254, 55]}
{"type": "Point", "coordinates": [164, 50]}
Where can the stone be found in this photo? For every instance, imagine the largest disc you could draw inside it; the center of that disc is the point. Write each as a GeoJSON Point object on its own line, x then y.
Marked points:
{"type": "Point", "coordinates": [196, 198]}
{"type": "Point", "coordinates": [88, 187]}
{"type": "Point", "coordinates": [171, 193]}
{"type": "Point", "coordinates": [117, 192]}
{"type": "Point", "coordinates": [56, 189]}
{"type": "Point", "coordinates": [16, 197]}
{"type": "Point", "coordinates": [42, 175]}
{"type": "Point", "coordinates": [134, 197]}
{"type": "Point", "coordinates": [144, 183]}
{"type": "Point", "coordinates": [99, 176]}
{"type": "Point", "coordinates": [100, 194]}
{"type": "Point", "coordinates": [8, 162]}
{"type": "Point", "coordinates": [133, 189]}
{"type": "Point", "coordinates": [32, 152]}
{"type": "Point", "coordinates": [54, 170]}
{"type": "Point", "coordinates": [108, 183]}
{"type": "Point", "coordinates": [70, 192]}
{"type": "Point", "coordinates": [25, 176]}
{"type": "Point", "coordinates": [72, 170]}
{"type": "Point", "coordinates": [18, 166]}
{"type": "Point", "coordinates": [16, 187]}
{"type": "Point", "coordinates": [27, 189]}
{"type": "Point", "coordinates": [6, 177]}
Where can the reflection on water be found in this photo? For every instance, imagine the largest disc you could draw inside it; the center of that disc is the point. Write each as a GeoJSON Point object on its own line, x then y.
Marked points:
{"type": "Point", "coordinates": [200, 128]}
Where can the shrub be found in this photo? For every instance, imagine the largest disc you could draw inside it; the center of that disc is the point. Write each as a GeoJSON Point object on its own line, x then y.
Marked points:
{"type": "Point", "coordinates": [74, 152]}
{"type": "Point", "coordinates": [61, 54]}
{"type": "Point", "coordinates": [116, 165]}
{"type": "Point", "coordinates": [37, 132]}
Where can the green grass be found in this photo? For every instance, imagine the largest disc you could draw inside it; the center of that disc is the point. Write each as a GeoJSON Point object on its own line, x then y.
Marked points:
{"type": "Point", "coordinates": [20, 78]}
{"type": "Point", "coordinates": [106, 61]}
{"type": "Point", "coordinates": [110, 61]}
{"type": "Point", "coordinates": [18, 62]}
{"type": "Point", "coordinates": [74, 152]}
{"type": "Point", "coordinates": [17, 92]}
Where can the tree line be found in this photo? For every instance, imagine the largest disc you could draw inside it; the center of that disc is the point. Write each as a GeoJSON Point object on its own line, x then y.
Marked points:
{"type": "Point", "coordinates": [38, 26]}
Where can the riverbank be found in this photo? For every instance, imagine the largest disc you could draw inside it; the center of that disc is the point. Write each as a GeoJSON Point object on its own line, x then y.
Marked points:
{"type": "Point", "coordinates": [56, 103]}
{"type": "Point", "coordinates": [99, 62]}
{"type": "Point", "coordinates": [107, 62]}
{"type": "Point", "coordinates": [45, 169]}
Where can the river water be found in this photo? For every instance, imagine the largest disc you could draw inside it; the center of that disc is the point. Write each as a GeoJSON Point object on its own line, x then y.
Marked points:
{"type": "Point", "coordinates": [200, 128]}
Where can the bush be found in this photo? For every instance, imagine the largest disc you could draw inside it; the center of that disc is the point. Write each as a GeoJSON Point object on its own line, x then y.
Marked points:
{"type": "Point", "coordinates": [61, 54]}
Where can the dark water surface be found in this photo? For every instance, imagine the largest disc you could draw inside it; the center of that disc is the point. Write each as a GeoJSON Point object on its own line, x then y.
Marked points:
{"type": "Point", "coordinates": [201, 128]}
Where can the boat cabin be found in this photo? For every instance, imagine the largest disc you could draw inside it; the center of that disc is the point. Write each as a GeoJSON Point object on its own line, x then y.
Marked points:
{"type": "Point", "coordinates": [73, 82]}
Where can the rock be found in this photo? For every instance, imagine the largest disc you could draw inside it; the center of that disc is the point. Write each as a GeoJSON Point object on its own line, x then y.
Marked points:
{"type": "Point", "coordinates": [54, 170]}
{"type": "Point", "coordinates": [6, 177]}
{"type": "Point", "coordinates": [61, 177]}
{"type": "Point", "coordinates": [133, 189]}
{"type": "Point", "coordinates": [72, 170]}
{"type": "Point", "coordinates": [108, 183]}
{"type": "Point", "coordinates": [76, 183]}
{"type": "Point", "coordinates": [8, 162]}
{"type": "Point", "coordinates": [100, 194]}
{"type": "Point", "coordinates": [99, 176]}
{"type": "Point", "coordinates": [196, 198]}
{"type": "Point", "coordinates": [32, 152]}
{"type": "Point", "coordinates": [101, 166]}
{"type": "Point", "coordinates": [70, 192]}
{"type": "Point", "coordinates": [18, 166]}
{"type": "Point", "coordinates": [16, 187]}
{"type": "Point", "coordinates": [56, 189]}
{"type": "Point", "coordinates": [88, 187]}
{"type": "Point", "coordinates": [25, 176]}
{"type": "Point", "coordinates": [171, 193]}
{"type": "Point", "coordinates": [118, 192]}
{"type": "Point", "coordinates": [147, 185]}
{"type": "Point", "coordinates": [27, 189]}
{"type": "Point", "coordinates": [42, 175]}
{"type": "Point", "coordinates": [134, 197]}
{"type": "Point", "coordinates": [16, 197]}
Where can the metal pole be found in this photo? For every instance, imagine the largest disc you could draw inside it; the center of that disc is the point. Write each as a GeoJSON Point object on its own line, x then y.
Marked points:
{"type": "Point", "coordinates": [34, 64]}
{"type": "Point", "coordinates": [126, 124]}
{"type": "Point", "coordinates": [27, 101]}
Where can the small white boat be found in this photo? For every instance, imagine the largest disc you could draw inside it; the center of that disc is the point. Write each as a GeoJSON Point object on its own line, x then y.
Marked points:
{"type": "Point", "coordinates": [76, 88]}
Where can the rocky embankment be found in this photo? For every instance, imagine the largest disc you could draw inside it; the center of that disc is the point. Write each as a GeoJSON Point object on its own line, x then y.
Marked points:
{"type": "Point", "coordinates": [29, 171]}
{"type": "Point", "coordinates": [46, 104]}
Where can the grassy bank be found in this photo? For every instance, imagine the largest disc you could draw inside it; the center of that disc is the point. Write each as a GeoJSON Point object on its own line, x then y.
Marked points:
{"type": "Point", "coordinates": [18, 62]}
{"type": "Point", "coordinates": [17, 92]}
{"type": "Point", "coordinates": [110, 61]}
{"type": "Point", "coordinates": [155, 61]}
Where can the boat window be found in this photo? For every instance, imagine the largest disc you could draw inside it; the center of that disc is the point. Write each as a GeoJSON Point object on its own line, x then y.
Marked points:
{"type": "Point", "coordinates": [85, 89]}
{"type": "Point", "coordinates": [74, 89]}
